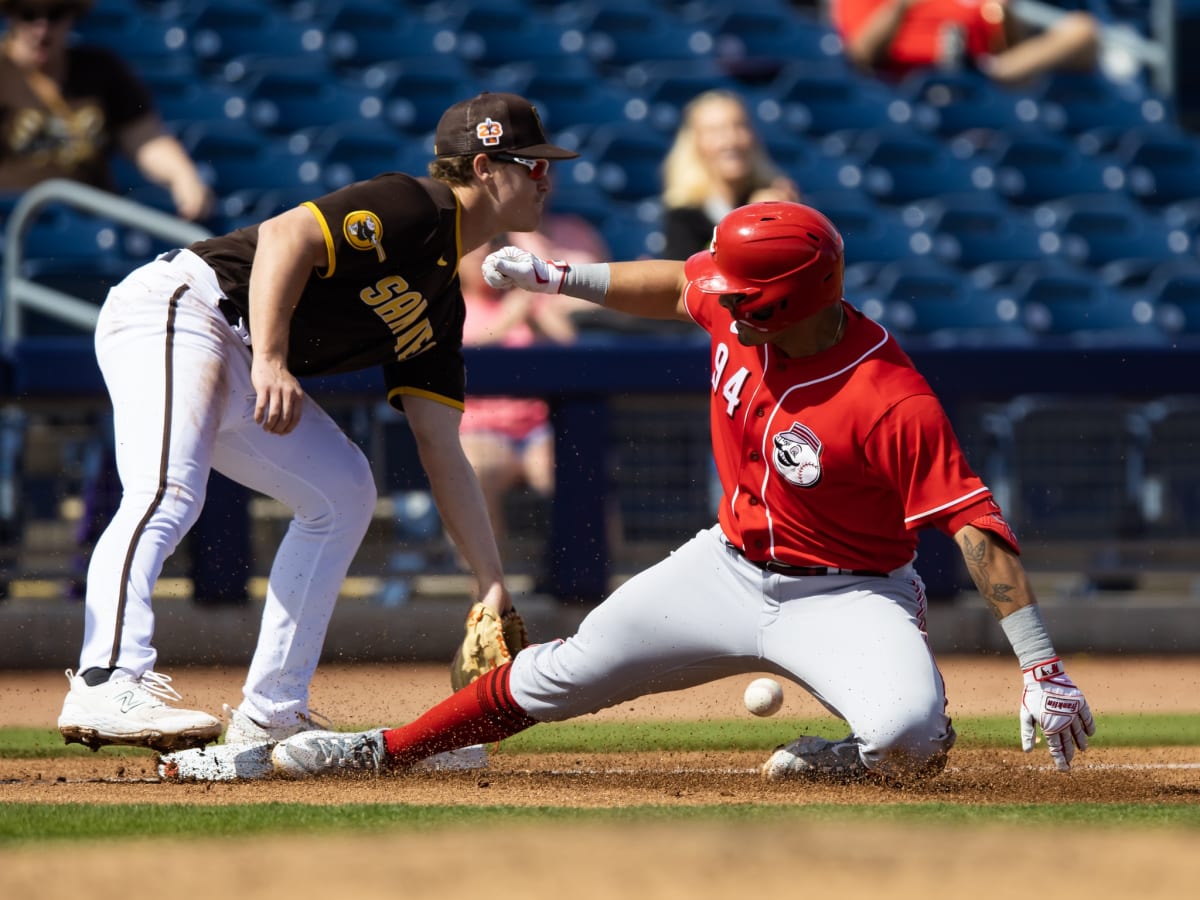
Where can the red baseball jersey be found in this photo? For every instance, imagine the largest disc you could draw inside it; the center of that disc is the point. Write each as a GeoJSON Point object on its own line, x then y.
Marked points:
{"type": "Point", "coordinates": [836, 459]}
{"type": "Point", "coordinates": [918, 40]}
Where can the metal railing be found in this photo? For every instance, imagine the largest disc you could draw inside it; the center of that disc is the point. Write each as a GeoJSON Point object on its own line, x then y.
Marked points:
{"type": "Point", "coordinates": [21, 294]}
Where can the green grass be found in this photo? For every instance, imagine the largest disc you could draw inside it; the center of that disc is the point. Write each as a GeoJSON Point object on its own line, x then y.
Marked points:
{"type": "Point", "coordinates": [31, 822]}
{"type": "Point", "coordinates": [21, 822]}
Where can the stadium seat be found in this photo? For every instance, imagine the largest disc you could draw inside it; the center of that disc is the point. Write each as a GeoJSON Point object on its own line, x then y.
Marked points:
{"type": "Point", "coordinates": [232, 156]}
{"type": "Point", "coordinates": [979, 228]}
{"type": "Point", "coordinates": [766, 33]}
{"type": "Point", "coordinates": [664, 87]}
{"type": "Point", "coordinates": [182, 98]}
{"type": "Point", "coordinates": [628, 160]}
{"type": "Point", "coordinates": [1162, 164]}
{"type": "Point", "coordinates": [1033, 166]}
{"type": "Point", "coordinates": [1173, 288]}
{"type": "Point", "coordinates": [281, 102]}
{"type": "Point", "coordinates": [1096, 229]}
{"type": "Point", "coordinates": [821, 98]}
{"type": "Point", "coordinates": [221, 30]}
{"type": "Point", "coordinates": [361, 34]}
{"type": "Point", "coordinates": [353, 151]}
{"type": "Point", "coordinates": [150, 44]}
{"type": "Point", "coordinates": [921, 297]}
{"type": "Point", "coordinates": [60, 232]}
{"type": "Point", "coordinates": [901, 165]}
{"type": "Point", "coordinates": [490, 35]}
{"type": "Point", "coordinates": [949, 103]}
{"type": "Point", "coordinates": [1074, 103]}
{"type": "Point", "coordinates": [1060, 300]}
{"type": "Point", "coordinates": [618, 35]}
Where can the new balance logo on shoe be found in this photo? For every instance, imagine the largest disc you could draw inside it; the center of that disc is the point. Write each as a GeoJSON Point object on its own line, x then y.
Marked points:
{"type": "Point", "coordinates": [129, 701]}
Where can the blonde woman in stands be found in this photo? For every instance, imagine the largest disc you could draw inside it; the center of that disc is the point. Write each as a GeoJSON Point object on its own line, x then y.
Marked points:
{"type": "Point", "coordinates": [716, 163]}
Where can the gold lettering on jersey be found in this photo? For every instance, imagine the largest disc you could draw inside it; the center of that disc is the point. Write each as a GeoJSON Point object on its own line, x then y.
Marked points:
{"type": "Point", "coordinates": [404, 313]}
{"type": "Point", "coordinates": [417, 339]}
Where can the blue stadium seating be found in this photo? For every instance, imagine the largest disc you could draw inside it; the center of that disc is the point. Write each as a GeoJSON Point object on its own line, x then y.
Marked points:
{"type": "Point", "coordinates": [901, 165]}
{"type": "Point", "coordinates": [628, 159]}
{"type": "Point", "coordinates": [233, 155]}
{"type": "Point", "coordinates": [1066, 301]}
{"type": "Point", "coordinates": [1100, 228]}
{"type": "Point", "coordinates": [1034, 165]}
{"type": "Point", "coordinates": [221, 30]}
{"type": "Point", "coordinates": [979, 228]}
{"type": "Point", "coordinates": [360, 33]}
{"type": "Point", "coordinates": [1173, 288]}
{"type": "Point", "coordinates": [949, 103]}
{"type": "Point", "coordinates": [281, 102]}
{"type": "Point", "coordinates": [1162, 164]}
{"type": "Point", "coordinates": [822, 98]}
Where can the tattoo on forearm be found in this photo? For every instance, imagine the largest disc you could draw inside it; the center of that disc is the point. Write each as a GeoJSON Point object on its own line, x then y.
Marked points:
{"type": "Point", "coordinates": [999, 596]}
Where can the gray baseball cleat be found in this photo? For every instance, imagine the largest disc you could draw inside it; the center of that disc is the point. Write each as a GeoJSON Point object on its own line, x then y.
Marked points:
{"type": "Point", "coordinates": [312, 753]}
{"type": "Point", "coordinates": [816, 758]}
{"type": "Point", "coordinates": [222, 762]}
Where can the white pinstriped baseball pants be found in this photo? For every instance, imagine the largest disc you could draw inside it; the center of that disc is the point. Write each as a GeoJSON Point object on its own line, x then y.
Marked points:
{"type": "Point", "coordinates": [183, 403]}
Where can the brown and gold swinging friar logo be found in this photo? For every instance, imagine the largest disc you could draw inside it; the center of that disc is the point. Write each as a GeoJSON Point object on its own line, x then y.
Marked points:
{"type": "Point", "coordinates": [364, 231]}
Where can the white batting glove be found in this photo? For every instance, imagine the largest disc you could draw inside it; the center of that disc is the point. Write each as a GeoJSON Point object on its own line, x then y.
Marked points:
{"type": "Point", "coordinates": [1052, 702]}
{"type": "Point", "coordinates": [512, 267]}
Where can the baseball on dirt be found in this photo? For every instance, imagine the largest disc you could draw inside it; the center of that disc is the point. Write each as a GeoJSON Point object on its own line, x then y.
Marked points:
{"type": "Point", "coordinates": [763, 697]}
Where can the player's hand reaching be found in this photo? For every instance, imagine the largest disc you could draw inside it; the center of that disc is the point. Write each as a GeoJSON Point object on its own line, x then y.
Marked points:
{"type": "Point", "coordinates": [278, 396]}
{"type": "Point", "coordinates": [512, 267]}
{"type": "Point", "coordinates": [1054, 704]}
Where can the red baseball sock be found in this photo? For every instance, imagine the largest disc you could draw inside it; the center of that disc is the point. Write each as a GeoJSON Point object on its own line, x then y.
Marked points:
{"type": "Point", "coordinates": [481, 713]}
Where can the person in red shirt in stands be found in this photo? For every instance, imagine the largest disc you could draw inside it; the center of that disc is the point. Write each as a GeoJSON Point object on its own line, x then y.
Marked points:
{"type": "Point", "coordinates": [894, 37]}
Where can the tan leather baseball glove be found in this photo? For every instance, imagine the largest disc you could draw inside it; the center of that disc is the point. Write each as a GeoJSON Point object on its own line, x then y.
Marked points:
{"type": "Point", "coordinates": [490, 641]}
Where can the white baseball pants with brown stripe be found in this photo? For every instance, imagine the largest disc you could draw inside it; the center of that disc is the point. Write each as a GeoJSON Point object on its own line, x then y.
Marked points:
{"type": "Point", "coordinates": [183, 404]}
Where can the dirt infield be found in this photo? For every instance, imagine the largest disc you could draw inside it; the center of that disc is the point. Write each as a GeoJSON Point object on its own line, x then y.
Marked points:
{"type": "Point", "coordinates": [646, 860]}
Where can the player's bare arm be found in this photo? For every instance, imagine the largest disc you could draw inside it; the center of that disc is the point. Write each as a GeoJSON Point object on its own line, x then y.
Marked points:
{"type": "Point", "coordinates": [650, 288]}
{"type": "Point", "coordinates": [290, 246]}
{"type": "Point", "coordinates": [995, 570]}
{"type": "Point", "coordinates": [457, 494]}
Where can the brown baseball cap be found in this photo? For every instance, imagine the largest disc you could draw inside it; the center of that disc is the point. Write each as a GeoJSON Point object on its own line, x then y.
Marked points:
{"type": "Point", "coordinates": [495, 122]}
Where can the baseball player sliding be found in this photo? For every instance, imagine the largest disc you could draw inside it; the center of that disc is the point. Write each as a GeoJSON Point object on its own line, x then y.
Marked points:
{"type": "Point", "coordinates": [201, 350]}
{"type": "Point", "coordinates": [832, 452]}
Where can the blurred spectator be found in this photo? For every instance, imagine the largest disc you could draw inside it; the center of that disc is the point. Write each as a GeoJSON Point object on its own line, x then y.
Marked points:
{"type": "Point", "coordinates": [509, 440]}
{"type": "Point", "coordinates": [66, 108]}
{"type": "Point", "coordinates": [893, 37]}
{"type": "Point", "coordinates": [715, 164]}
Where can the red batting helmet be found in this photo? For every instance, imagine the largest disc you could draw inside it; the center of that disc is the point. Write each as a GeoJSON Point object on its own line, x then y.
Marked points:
{"type": "Point", "coordinates": [785, 259]}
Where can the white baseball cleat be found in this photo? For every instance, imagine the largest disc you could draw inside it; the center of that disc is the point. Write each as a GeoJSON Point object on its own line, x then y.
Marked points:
{"type": "Point", "coordinates": [330, 753]}
{"type": "Point", "coordinates": [244, 730]}
{"type": "Point", "coordinates": [134, 712]}
{"type": "Point", "coordinates": [222, 762]}
{"type": "Point", "coordinates": [816, 758]}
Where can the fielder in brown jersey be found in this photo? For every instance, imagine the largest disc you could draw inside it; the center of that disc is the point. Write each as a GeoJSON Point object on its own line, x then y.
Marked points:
{"type": "Point", "coordinates": [201, 350]}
